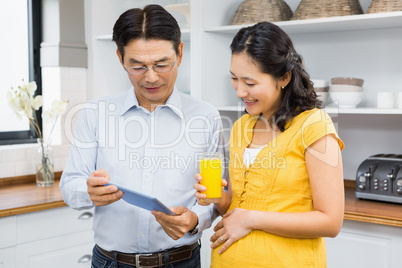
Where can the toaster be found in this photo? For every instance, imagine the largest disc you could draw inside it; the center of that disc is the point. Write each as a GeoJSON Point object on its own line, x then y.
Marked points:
{"type": "Point", "coordinates": [379, 177]}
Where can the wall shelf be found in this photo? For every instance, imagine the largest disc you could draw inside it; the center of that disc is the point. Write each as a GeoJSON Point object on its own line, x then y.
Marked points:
{"type": "Point", "coordinates": [331, 24]}
{"type": "Point", "coordinates": [105, 37]}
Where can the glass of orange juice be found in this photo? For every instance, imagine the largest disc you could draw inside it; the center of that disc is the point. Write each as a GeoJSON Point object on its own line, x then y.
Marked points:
{"type": "Point", "coordinates": [211, 173]}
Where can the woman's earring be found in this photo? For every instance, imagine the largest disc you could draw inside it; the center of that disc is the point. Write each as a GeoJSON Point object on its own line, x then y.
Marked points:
{"type": "Point", "coordinates": [283, 88]}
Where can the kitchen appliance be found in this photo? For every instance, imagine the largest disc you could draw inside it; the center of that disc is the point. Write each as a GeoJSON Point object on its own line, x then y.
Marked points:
{"type": "Point", "coordinates": [379, 177]}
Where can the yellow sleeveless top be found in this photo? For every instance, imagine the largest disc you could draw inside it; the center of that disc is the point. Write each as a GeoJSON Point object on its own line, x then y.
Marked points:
{"type": "Point", "coordinates": [276, 181]}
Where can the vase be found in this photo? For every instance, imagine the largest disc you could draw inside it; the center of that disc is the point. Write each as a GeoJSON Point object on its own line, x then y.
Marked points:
{"type": "Point", "coordinates": [44, 164]}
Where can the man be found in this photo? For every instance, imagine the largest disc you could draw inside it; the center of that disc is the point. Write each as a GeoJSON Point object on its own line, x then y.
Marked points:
{"type": "Point", "coordinates": [147, 139]}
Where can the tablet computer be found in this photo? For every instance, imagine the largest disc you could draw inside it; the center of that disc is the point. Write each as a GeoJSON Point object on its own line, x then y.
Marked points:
{"type": "Point", "coordinates": [141, 200]}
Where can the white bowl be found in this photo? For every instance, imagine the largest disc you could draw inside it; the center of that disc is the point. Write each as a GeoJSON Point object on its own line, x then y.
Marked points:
{"type": "Point", "coordinates": [319, 83]}
{"type": "Point", "coordinates": [347, 81]}
{"type": "Point", "coordinates": [345, 88]}
{"type": "Point", "coordinates": [322, 96]}
{"type": "Point", "coordinates": [321, 89]}
{"type": "Point", "coordinates": [347, 99]}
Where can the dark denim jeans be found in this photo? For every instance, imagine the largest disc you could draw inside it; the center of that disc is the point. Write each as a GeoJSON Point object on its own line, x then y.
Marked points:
{"type": "Point", "coordinates": [101, 261]}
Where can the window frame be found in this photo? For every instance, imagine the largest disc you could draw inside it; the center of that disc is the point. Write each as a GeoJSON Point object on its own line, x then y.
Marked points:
{"type": "Point", "coordinates": [35, 73]}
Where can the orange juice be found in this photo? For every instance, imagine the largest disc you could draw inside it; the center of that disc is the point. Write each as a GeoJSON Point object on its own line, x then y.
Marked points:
{"type": "Point", "coordinates": [211, 173]}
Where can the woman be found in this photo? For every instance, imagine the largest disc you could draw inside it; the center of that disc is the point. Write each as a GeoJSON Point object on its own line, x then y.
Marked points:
{"type": "Point", "coordinates": [286, 183]}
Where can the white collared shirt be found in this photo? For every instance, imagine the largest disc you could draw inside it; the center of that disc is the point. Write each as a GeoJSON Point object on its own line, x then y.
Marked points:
{"type": "Point", "coordinates": [154, 153]}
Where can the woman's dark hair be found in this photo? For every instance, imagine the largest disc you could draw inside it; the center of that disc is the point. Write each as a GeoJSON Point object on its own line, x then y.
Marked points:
{"type": "Point", "coordinates": [152, 22]}
{"type": "Point", "coordinates": [273, 52]}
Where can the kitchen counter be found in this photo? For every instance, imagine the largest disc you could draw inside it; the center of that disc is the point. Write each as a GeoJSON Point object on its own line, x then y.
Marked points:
{"type": "Point", "coordinates": [21, 195]}
{"type": "Point", "coordinates": [370, 211]}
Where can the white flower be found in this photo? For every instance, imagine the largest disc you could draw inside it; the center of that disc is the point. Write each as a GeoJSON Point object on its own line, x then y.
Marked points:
{"type": "Point", "coordinates": [37, 102]}
{"type": "Point", "coordinates": [59, 106]}
{"type": "Point", "coordinates": [26, 103]}
{"type": "Point", "coordinates": [22, 102]}
{"type": "Point", "coordinates": [14, 102]}
{"type": "Point", "coordinates": [49, 115]}
{"type": "Point", "coordinates": [29, 88]}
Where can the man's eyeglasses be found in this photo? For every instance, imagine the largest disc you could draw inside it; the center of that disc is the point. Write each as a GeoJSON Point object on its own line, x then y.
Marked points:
{"type": "Point", "coordinates": [158, 68]}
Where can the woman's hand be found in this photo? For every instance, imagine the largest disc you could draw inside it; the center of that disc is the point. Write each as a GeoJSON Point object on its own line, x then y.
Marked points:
{"type": "Point", "coordinates": [234, 225]}
{"type": "Point", "coordinates": [200, 195]}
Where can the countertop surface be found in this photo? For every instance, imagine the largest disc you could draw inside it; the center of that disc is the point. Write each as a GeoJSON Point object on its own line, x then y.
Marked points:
{"type": "Point", "coordinates": [21, 195]}
{"type": "Point", "coordinates": [370, 211]}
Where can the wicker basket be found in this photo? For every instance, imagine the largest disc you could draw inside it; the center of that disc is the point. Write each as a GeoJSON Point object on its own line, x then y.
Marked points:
{"type": "Point", "coordinates": [253, 11]}
{"type": "Point", "coordinates": [311, 9]}
{"type": "Point", "coordinates": [378, 6]}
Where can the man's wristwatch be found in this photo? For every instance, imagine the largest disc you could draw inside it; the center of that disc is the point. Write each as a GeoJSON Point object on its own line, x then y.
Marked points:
{"type": "Point", "coordinates": [194, 231]}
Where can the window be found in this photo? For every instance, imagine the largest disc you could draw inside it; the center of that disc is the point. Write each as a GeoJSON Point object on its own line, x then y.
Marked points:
{"type": "Point", "coordinates": [20, 27]}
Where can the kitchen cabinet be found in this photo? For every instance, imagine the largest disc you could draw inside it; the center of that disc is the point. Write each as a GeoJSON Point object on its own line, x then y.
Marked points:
{"type": "Point", "coordinates": [8, 231]}
{"type": "Point", "coordinates": [7, 257]}
{"type": "Point", "coordinates": [59, 237]}
{"type": "Point", "coordinates": [67, 251]}
{"type": "Point", "coordinates": [365, 245]}
{"type": "Point", "coordinates": [8, 234]}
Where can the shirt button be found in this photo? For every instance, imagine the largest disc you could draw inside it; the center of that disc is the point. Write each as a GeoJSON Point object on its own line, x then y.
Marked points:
{"type": "Point", "coordinates": [142, 234]}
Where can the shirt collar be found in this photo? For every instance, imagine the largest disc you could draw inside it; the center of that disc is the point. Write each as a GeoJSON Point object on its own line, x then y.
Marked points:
{"type": "Point", "coordinates": [173, 102]}
{"type": "Point", "coordinates": [129, 102]}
